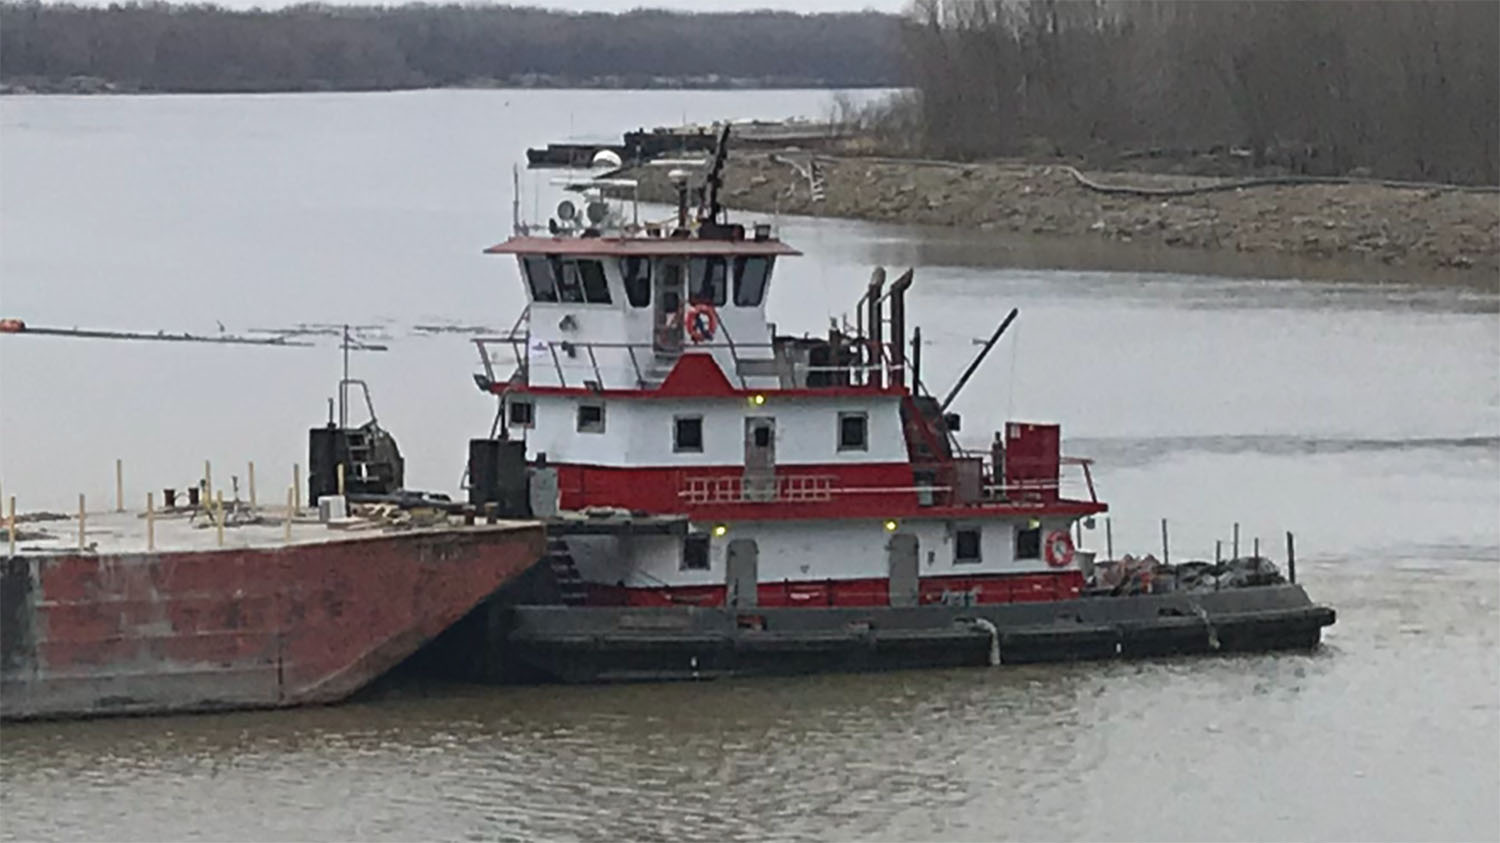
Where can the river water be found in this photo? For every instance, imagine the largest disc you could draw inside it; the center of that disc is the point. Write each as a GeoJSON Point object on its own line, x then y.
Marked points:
{"type": "Point", "coordinates": [1363, 416]}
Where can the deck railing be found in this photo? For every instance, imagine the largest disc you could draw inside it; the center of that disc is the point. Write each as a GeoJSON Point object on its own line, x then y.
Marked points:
{"type": "Point", "coordinates": [812, 488]}
{"type": "Point", "coordinates": [643, 364]}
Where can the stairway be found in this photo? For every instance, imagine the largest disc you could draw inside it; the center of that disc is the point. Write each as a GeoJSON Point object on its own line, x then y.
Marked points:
{"type": "Point", "coordinates": [570, 585]}
{"type": "Point", "coordinates": [359, 447]}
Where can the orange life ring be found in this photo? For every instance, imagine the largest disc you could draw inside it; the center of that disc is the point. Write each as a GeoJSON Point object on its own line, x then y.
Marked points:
{"type": "Point", "coordinates": [702, 322]}
{"type": "Point", "coordinates": [1059, 548]}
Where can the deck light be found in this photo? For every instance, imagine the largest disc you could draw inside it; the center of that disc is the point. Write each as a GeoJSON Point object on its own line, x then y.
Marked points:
{"type": "Point", "coordinates": [1034, 524]}
{"type": "Point", "coordinates": [891, 525]}
{"type": "Point", "coordinates": [720, 530]}
{"type": "Point", "coordinates": [757, 399]}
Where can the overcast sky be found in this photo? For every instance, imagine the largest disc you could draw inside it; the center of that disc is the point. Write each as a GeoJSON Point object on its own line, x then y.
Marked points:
{"type": "Point", "coordinates": [627, 5]}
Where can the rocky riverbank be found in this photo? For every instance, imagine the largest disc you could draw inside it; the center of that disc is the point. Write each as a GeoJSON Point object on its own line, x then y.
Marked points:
{"type": "Point", "coordinates": [1376, 232]}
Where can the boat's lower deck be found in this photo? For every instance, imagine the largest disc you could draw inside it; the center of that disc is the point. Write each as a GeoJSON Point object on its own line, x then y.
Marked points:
{"type": "Point", "coordinates": [574, 644]}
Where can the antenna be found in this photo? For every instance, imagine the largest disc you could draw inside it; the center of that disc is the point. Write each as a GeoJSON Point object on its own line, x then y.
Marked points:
{"type": "Point", "coordinates": [715, 178]}
{"type": "Point", "coordinates": [515, 199]}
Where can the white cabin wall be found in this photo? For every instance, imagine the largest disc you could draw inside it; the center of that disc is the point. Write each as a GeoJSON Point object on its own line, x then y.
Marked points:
{"type": "Point", "coordinates": [819, 550]}
{"type": "Point", "coordinates": [638, 432]}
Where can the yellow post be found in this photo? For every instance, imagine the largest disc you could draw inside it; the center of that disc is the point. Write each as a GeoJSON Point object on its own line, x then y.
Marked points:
{"type": "Point", "coordinates": [119, 485]}
{"type": "Point", "coordinates": [11, 524]}
{"type": "Point", "coordinates": [289, 513]}
{"type": "Point", "coordinates": [208, 481]}
{"type": "Point", "coordinates": [296, 487]}
{"type": "Point", "coordinates": [341, 480]}
{"type": "Point", "coordinates": [150, 521]}
{"type": "Point", "coordinates": [252, 485]}
{"type": "Point", "coordinates": [81, 544]}
{"type": "Point", "coordinates": [219, 515]}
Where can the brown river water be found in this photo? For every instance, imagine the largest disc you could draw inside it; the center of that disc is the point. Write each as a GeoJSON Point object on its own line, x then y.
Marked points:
{"type": "Point", "coordinates": [1364, 416]}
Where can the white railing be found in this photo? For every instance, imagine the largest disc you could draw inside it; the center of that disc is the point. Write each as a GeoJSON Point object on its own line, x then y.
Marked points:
{"type": "Point", "coordinates": [642, 362]}
{"type": "Point", "coordinates": [783, 488]}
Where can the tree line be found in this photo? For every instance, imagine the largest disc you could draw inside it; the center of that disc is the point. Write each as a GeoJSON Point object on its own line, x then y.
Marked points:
{"type": "Point", "coordinates": [201, 48]}
{"type": "Point", "coordinates": [1397, 89]}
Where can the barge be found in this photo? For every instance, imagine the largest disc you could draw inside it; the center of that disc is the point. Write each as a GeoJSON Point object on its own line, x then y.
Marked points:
{"type": "Point", "coordinates": [286, 612]}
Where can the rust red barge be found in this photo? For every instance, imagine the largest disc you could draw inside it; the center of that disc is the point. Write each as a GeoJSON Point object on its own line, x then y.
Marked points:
{"type": "Point", "coordinates": [266, 622]}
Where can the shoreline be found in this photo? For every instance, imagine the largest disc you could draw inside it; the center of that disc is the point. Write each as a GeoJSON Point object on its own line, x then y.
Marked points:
{"type": "Point", "coordinates": [1354, 231]}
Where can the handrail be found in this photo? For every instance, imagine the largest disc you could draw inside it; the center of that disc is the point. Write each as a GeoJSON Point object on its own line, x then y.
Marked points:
{"type": "Point", "coordinates": [522, 348]}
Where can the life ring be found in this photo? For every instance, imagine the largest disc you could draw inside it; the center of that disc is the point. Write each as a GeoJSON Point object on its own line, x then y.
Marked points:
{"type": "Point", "coordinates": [702, 322]}
{"type": "Point", "coordinates": [1059, 548]}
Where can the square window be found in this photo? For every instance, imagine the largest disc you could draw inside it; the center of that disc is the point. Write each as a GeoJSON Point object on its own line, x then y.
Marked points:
{"type": "Point", "coordinates": [966, 546]}
{"type": "Point", "coordinates": [1029, 544]}
{"type": "Point", "coordinates": [522, 413]}
{"type": "Point", "coordinates": [695, 552]}
{"type": "Point", "coordinates": [590, 418]}
{"type": "Point", "coordinates": [762, 436]}
{"type": "Point", "coordinates": [687, 435]}
{"type": "Point", "coordinates": [854, 432]}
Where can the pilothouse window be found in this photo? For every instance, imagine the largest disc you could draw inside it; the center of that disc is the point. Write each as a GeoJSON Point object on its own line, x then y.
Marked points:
{"type": "Point", "coordinates": [637, 275]}
{"type": "Point", "coordinates": [750, 276]}
{"type": "Point", "coordinates": [595, 288]}
{"type": "Point", "coordinates": [709, 281]}
{"type": "Point", "coordinates": [578, 280]}
{"type": "Point", "coordinates": [539, 277]}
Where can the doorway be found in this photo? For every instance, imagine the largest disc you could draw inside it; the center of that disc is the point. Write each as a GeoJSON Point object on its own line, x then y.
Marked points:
{"type": "Point", "coordinates": [742, 574]}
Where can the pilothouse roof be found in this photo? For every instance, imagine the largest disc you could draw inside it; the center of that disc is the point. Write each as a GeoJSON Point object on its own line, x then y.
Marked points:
{"type": "Point", "coordinates": [638, 246]}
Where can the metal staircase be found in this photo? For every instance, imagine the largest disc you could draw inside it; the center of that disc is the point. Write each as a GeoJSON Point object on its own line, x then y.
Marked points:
{"type": "Point", "coordinates": [570, 585]}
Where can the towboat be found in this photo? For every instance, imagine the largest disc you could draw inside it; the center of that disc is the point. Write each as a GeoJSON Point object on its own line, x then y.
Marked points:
{"type": "Point", "coordinates": [725, 500]}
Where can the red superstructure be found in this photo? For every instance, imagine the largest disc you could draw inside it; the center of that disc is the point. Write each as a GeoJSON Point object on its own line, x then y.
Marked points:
{"type": "Point", "coordinates": [814, 471]}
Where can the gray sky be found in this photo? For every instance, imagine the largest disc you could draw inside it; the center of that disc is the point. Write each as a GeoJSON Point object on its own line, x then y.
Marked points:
{"type": "Point", "coordinates": [627, 5]}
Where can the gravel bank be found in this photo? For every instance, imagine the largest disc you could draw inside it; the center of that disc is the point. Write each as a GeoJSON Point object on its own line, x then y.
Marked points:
{"type": "Point", "coordinates": [1378, 232]}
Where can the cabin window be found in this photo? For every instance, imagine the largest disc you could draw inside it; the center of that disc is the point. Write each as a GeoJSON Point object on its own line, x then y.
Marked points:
{"type": "Point", "coordinates": [590, 418]}
{"type": "Point", "coordinates": [1029, 543]}
{"type": "Point", "coordinates": [966, 546]}
{"type": "Point", "coordinates": [750, 276]}
{"type": "Point", "coordinates": [709, 281]}
{"type": "Point", "coordinates": [637, 275]}
{"type": "Point", "coordinates": [761, 436]}
{"type": "Point", "coordinates": [595, 288]}
{"type": "Point", "coordinates": [522, 413]}
{"type": "Point", "coordinates": [566, 273]}
{"type": "Point", "coordinates": [539, 277]}
{"type": "Point", "coordinates": [687, 435]}
{"type": "Point", "coordinates": [695, 552]}
{"type": "Point", "coordinates": [854, 430]}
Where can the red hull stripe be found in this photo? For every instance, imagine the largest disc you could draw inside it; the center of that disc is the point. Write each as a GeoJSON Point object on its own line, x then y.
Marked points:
{"type": "Point", "coordinates": [859, 490]}
{"type": "Point", "coordinates": [1005, 588]}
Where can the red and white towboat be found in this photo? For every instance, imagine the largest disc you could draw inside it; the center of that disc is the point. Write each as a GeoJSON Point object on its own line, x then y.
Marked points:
{"type": "Point", "coordinates": [760, 502]}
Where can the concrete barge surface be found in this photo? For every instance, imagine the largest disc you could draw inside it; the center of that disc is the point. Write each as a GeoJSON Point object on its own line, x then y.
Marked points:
{"type": "Point", "coordinates": [259, 622]}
